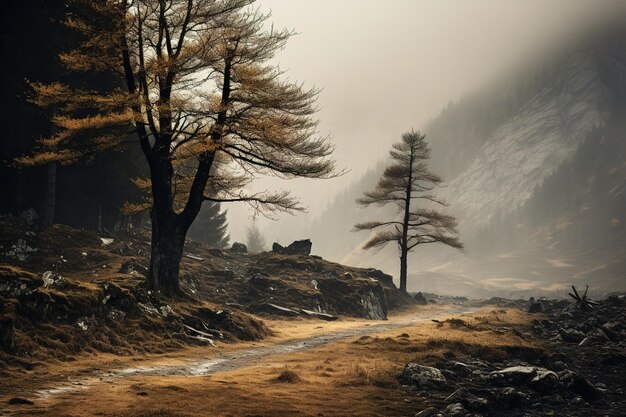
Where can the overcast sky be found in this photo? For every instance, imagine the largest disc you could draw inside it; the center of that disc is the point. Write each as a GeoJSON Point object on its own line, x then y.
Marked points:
{"type": "Point", "coordinates": [388, 66]}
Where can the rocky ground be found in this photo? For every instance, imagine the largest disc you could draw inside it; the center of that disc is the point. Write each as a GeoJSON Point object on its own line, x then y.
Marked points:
{"type": "Point", "coordinates": [65, 291]}
{"type": "Point", "coordinates": [580, 371]}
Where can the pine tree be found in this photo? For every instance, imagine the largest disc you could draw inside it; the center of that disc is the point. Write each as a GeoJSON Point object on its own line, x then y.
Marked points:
{"type": "Point", "coordinates": [210, 226]}
{"type": "Point", "coordinates": [207, 108]}
{"type": "Point", "coordinates": [254, 239]}
{"type": "Point", "coordinates": [408, 179]}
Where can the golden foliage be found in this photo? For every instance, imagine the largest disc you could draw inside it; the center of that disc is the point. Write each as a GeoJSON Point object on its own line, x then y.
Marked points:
{"type": "Point", "coordinates": [199, 91]}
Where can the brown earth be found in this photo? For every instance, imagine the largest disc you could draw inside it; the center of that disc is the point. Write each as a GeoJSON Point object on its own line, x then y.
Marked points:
{"type": "Point", "coordinates": [93, 301]}
{"type": "Point", "coordinates": [354, 376]}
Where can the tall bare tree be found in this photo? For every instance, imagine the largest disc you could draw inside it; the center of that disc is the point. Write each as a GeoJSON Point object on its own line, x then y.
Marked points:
{"type": "Point", "coordinates": [208, 110]}
{"type": "Point", "coordinates": [408, 179]}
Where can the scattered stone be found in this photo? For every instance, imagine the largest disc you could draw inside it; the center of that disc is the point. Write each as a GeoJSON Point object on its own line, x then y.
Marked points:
{"type": "Point", "coordinates": [20, 250]}
{"type": "Point", "coordinates": [132, 267]}
{"type": "Point", "coordinates": [239, 248]}
{"type": "Point", "coordinates": [422, 376]}
{"type": "Point", "coordinates": [467, 399]}
{"type": "Point", "coordinates": [116, 315]}
{"type": "Point", "coordinates": [166, 310]}
{"type": "Point", "coordinates": [429, 412]}
{"type": "Point", "coordinates": [455, 410]}
{"type": "Point", "coordinates": [82, 323]}
{"type": "Point", "coordinates": [571, 335]}
{"type": "Point", "coordinates": [420, 299]}
{"type": "Point", "coordinates": [54, 280]}
{"type": "Point", "coordinates": [106, 241]}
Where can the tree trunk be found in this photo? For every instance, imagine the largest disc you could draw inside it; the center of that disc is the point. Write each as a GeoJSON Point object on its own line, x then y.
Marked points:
{"type": "Point", "coordinates": [166, 252]}
{"type": "Point", "coordinates": [404, 242]}
{"type": "Point", "coordinates": [403, 269]}
{"type": "Point", "coordinates": [19, 192]}
{"type": "Point", "coordinates": [51, 193]}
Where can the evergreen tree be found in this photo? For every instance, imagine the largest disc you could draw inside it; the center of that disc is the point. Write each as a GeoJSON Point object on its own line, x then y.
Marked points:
{"type": "Point", "coordinates": [255, 240]}
{"type": "Point", "coordinates": [406, 180]}
{"type": "Point", "coordinates": [211, 226]}
{"type": "Point", "coordinates": [207, 107]}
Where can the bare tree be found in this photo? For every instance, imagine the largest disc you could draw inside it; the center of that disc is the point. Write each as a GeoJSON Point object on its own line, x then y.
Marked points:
{"type": "Point", "coordinates": [208, 110]}
{"type": "Point", "coordinates": [406, 180]}
{"type": "Point", "coordinates": [255, 240]}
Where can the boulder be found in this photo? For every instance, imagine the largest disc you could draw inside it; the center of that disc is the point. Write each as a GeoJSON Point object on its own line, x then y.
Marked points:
{"type": "Point", "coordinates": [239, 248]}
{"type": "Point", "coordinates": [422, 376]}
{"type": "Point", "coordinates": [535, 307]}
{"type": "Point", "coordinates": [514, 375]}
{"type": "Point", "coordinates": [298, 247]}
{"type": "Point", "coordinates": [420, 299]}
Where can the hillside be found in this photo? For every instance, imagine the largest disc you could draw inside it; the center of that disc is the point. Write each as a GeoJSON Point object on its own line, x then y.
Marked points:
{"type": "Point", "coordinates": [65, 291]}
{"type": "Point", "coordinates": [534, 168]}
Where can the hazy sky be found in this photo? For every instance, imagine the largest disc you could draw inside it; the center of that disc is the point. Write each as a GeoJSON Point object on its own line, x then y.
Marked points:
{"type": "Point", "coordinates": [388, 66]}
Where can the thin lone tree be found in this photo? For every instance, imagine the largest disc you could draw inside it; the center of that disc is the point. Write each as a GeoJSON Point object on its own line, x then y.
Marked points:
{"type": "Point", "coordinates": [406, 180]}
{"type": "Point", "coordinates": [199, 96]}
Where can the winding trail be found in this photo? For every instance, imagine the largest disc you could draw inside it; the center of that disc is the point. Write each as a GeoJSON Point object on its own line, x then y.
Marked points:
{"type": "Point", "coordinates": [229, 361]}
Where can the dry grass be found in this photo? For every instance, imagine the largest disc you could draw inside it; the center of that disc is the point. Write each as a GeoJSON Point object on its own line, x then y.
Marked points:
{"type": "Point", "coordinates": [379, 374]}
{"type": "Point", "coordinates": [288, 376]}
{"type": "Point", "coordinates": [344, 378]}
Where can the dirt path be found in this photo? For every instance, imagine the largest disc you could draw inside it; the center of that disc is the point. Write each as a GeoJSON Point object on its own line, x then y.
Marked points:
{"type": "Point", "coordinates": [227, 361]}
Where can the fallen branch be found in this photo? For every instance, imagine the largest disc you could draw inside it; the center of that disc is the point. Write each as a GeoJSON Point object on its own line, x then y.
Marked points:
{"type": "Point", "coordinates": [583, 302]}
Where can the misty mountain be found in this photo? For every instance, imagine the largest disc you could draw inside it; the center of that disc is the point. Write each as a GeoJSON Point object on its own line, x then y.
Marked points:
{"type": "Point", "coordinates": [535, 170]}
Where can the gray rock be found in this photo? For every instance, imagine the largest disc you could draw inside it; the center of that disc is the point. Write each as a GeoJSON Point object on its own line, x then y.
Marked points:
{"type": "Point", "coordinates": [298, 247]}
{"type": "Point", "coordinates": [422, 376]}
{"type": "Point", "coordinates": [53, 280]}
{"type": "Point", "coordinates": [515, 375]}
{"type": "Point", "coordinates": [469, 400]}
{"type": "Point", "coordinates": [429, 412]}
{"type": "Point", "coordinates": [545, 381]}
{"type": "Point", "coordinates": [116, 315]}
{"type": "Point", "coordinates": [456, 410]}
{"type": "Point", "coordinates": [239, 248]}
{"type": "Point", "coordinates": [420, 299]}
{"type": "Point", "coordinates": [571, 335]}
